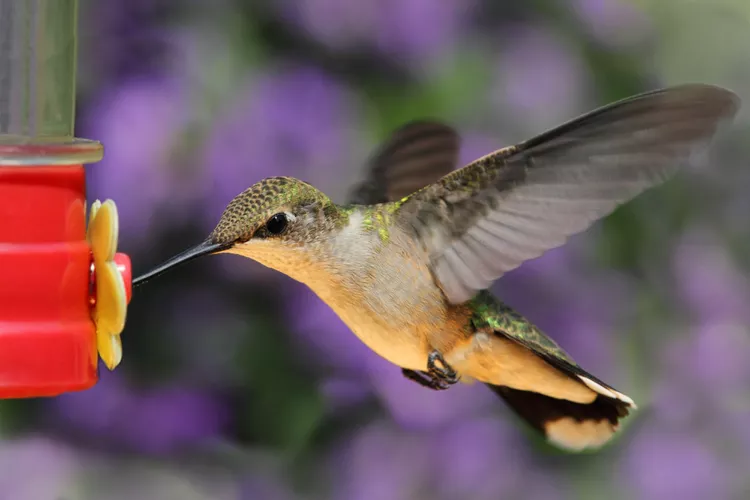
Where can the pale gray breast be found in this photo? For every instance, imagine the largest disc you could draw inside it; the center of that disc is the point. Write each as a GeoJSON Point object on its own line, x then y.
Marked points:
{"type": "Point", "coordinates": [389, 271]}
{"type": "Point", "coordinates": [382, 289]}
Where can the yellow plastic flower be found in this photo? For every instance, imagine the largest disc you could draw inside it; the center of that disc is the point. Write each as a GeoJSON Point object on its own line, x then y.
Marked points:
{"type": "Point", "coordinates": [109, 310]}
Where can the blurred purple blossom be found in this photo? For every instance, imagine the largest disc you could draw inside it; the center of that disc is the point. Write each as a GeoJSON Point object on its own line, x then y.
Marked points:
{"type": "Point", "coordinates": [674, 402]}
{"type": "Point", "coordinates": [167, 419]}
{"type": "Point", "coordinates": [324, 338]}
{"type": "Point", "coordinates": [722, 351]}
{"type": "Point", "coordinates": [662, 464]}
{"type": "Point", "coordinates": [421, 28]}
{"type": "Point", "coordinates": [294, 122]}
{"type": "Point", "coordinates": [139, 122]}
{"type": "Point", "coordinates": [402, 29]}
{"type": "Point", "coordinates": [415, 407]}
{"type": "Point", "coordinates": [126, 37]}
{"type": "Point", "coordinates": [483, 458]}
{"type": "Point", "coordinates": [154, 421]}
{"type": "Point", "coordinates": [36, 467]}
{"type": "Point", "coordinates": [540, 79]}
{"type": "Point", "coordinates": [616, 23]}
{"type": "Point", "coordinates": [709, 283]}
{"type": "Point", "coordinates": [381, 462]}
{"type": "Point", "coordinates": [265, 487]}
{"type": "Point", "coordinates": [474, 145]}
{"type": "Point", "coordinates": [703, 373]}
{"type": "Point", "coordinates": [341, 393]}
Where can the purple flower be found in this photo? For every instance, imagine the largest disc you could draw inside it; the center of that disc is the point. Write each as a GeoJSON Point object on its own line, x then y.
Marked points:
{"type": "Point", "coordinates": [382, 462]}
{"type": "Point", "coordinates": [341, 393]}
{"type": "Point", "coordinates": [323, 336]}
{"type": "Point", "coordinates": [480, 458]}
{"type": "Point", "coordinates": [704, 371]}
{"type": "Point", "coordinates": [663, 464]}
{"type": "Point", "coordinates": [701, 381]}
{"type": "Point", "coordinates": [417, 407]}
{"type": "Point", "coordinates": [733, 424]}
{"type": "Point", "coordinates": [411, 29]}
{"type": "Point", "coordinates": [138, 123]}
{"type": "Point", "coordinates": [402, 29]}
{"type": "Point", "coordinates": [295, 121]}
{"type": "Point", "coordinates": [540, 79]}
{"type": "Point", "coordinates": [155, 421]}
{"type": "Point", "coordinates": [167, 419]}
{"type": "Point", "coordinates": [36, 467]}
{"type": "Point", "coordinates": [615, 23]}
{"type": "Point", "coordinates": [475, 145]}
{"type": "Point", "coordinates": [334, 22]}
{"type": "Point", "coordinates": [722, 351]}
{"type": "Point", "coordinates": [264, 487]}
{"type": "Point", "coordinates": [709, 283]}
{"type": "Point", "coordinates": [674, 393]}
{"type": "Point", "coordinates": [123, 38]}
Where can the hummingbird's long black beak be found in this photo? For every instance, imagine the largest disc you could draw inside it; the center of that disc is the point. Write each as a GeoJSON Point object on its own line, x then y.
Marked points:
{"type": "Point", "coordinates": [205, 248]}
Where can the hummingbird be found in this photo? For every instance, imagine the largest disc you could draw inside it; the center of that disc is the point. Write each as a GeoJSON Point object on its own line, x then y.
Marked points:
{"type": "Point", "coordinates": [407, 261]}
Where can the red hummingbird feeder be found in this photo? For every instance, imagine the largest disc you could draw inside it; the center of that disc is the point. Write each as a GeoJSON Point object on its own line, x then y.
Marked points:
{"type": "Point", "coordinates": [63, 288]}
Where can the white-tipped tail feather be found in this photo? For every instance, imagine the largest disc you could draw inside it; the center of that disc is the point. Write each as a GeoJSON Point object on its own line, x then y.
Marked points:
{"type": "Point", "coordinates": [567, 424]}
{"type": "Point", "coordinates": [609, 392]}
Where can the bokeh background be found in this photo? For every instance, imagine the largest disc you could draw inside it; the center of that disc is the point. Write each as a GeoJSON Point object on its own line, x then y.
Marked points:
{"type": "Point", "coordinates": [237, 382]}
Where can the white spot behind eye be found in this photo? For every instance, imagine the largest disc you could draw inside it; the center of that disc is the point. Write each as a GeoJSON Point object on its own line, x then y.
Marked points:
{"type": "Point", "coordinates": [290, 216]}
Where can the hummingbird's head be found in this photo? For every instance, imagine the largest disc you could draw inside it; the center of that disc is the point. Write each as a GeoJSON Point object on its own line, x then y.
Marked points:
{"type": "Point", "coordinates": [275, 222]}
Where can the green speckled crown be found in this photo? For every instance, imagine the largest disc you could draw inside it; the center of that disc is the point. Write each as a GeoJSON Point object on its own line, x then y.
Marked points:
{"type": "Point", "coordinates": [252, 208]}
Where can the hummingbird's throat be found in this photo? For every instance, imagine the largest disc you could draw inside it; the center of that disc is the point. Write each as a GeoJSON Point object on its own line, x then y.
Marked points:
{"type": "Point", "coordinates": [295, 261]}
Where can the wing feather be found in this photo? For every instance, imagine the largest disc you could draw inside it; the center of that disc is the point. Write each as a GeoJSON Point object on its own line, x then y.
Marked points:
{"type": "Point", "coordinates": [415, 155]}
{"type": "Point", "coordinates": [483, 220]}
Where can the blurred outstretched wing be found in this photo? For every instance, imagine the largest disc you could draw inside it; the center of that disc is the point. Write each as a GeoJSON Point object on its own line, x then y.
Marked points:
{"type": "Point", "coordinates": [485, 219]}
{"type": "Point", "coordinates": [415, 155]}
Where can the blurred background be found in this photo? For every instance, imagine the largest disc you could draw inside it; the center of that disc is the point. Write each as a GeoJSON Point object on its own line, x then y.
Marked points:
{"type": "Point", "coordinates": [238, 382]}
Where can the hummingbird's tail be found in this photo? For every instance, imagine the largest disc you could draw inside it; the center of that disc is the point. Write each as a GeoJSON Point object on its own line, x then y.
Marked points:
{"type": "Point", "coordinates": [569, 425]}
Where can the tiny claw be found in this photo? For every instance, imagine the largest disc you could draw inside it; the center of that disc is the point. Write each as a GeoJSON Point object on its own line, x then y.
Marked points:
{"type": "Point", "coordinates": [425, 379]}
{"type": "Point", "coordinates": [437, 378]}
{"type": "Point", "coordinates": [445, 373]}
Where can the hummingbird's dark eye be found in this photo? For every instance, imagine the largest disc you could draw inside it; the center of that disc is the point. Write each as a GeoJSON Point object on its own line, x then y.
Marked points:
{"type": "Point", "coordinates": [276, 224]}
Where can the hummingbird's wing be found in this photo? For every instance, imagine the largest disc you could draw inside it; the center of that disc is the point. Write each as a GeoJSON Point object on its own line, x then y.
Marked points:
{"type": "Point", "coordinates": [415, 155]}
{"type": "Point", "coordinates": [512, 205]}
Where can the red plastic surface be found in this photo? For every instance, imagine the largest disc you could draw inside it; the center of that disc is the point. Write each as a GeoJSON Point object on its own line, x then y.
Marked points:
{"type": "Point", "coordinates": [47, 338]}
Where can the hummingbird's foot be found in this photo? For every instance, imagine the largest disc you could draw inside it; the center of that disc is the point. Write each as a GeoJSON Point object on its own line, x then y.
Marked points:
{"type": "Point", "coordinates": [437, 378]}
{"type": "Point", "coordinates": [444, 373]}
{"type": "Point", "coordinates": [425, 379]}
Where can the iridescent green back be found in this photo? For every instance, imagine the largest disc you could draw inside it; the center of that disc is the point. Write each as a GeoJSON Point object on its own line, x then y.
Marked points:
{"type": "Point", "coordinates": [490, 312]}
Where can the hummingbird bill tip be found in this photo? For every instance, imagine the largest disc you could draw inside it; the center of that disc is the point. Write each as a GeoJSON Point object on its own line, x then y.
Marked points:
{"type": "Point", "coordinates": [205, 248]}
